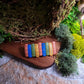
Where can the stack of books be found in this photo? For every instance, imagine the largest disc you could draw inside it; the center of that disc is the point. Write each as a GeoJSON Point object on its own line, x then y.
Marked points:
{"type": "Point", "coordinates": [40, 49]}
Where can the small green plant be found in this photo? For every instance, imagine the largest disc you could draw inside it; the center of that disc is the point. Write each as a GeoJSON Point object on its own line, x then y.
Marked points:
{"type": "Point", "coordinates": [72, 21]}
{"type": "Point", "coordinates": [82, 59]}
{"type": "Point", "coordinates": [66, 63]}
{"type": "Point", "coordinates": [78, 46]}
{"type": "Point", "coordinates": [63, 34]}
{"type": "Point", "coordinates": [1, 32]}
{"type": "Point", "coordinates": [1, 54]}
{"type": "Point", "coordinates": [4, 36]}
{"type": "Point", "coordinates": [83, 22]}
{"type": "Point", "coordinates": [1, 39]}
{"type": "Point", "coordinates": [75, 28]}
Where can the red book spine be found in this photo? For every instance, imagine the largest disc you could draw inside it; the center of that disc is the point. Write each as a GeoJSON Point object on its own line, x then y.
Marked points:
{"type": "Point", "coordinates": [54, 47]}
{"type": "Point", "coordinates": [40, 48]}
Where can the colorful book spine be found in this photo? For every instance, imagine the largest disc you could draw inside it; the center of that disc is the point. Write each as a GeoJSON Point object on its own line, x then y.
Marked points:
{"type": "Point", "coordinates": [47, 49]}
{"type": "Point", "coordinates": [54, 47]}
{"type": "Point", "coordinates": [43, 49]}
{"type": "Point", "coordinates": [26, 50]}
{"type": "Point", "coordinates": [33, 50]}
{"type": "Point", "coordinates": [40, 48]}
{"type": "Point", "coordinates": [29, 51]}
{"type": "Point", "coordinates": [50, 49]}
{"type": "Point", "coordinates": [36, 50]}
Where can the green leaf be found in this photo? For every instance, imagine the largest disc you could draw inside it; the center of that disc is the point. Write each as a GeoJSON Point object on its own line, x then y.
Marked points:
{"type": "Point", "coordinates": [82, 59]}
{"type": "Point", "coordinates": [1, 56]}
{"type": "Point", "coordinates": [1, 39]}
{"type": "Point", "coordinates": [72, 20]}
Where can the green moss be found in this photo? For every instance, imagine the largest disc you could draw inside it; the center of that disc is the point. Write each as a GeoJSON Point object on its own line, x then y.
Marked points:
{"type": "Point", "coordinates": [78, 46]}
{"type": "Point", "coordinates": [66, 63]}
{"type": "Point", "coordinates": [63, 34]}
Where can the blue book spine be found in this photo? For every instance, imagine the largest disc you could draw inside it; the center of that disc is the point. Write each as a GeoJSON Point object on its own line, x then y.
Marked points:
{"type": "Point", "coordinates": [29, 51]}
{"type": "Point", "coordinates": [43, 49]}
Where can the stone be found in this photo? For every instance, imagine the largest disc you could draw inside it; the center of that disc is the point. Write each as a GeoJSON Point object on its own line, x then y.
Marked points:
{"type": "Point", "coordinates": [17, 72]}
{"type": "Point", "coordinates": [4, 59]}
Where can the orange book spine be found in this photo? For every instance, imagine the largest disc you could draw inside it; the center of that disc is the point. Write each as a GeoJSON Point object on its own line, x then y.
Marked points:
{"type": "Point", "coordinates": [36, 50]}
{"type": "Point", "coordinates": [26, 50]}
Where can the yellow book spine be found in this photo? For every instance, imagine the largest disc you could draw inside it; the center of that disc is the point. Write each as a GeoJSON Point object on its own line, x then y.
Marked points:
{"type": "Point", "coordinates": [50, 49]}
{"type": "Point", "coordinates": [36, 50]}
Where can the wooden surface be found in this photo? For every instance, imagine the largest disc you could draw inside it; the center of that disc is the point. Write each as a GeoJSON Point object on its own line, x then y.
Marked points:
{"type": "Point", "coordinates": [17, 49]}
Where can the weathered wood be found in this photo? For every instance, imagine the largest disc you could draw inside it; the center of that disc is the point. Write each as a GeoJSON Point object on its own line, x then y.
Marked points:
{"type": "Point", "coordinates": [17, 49]}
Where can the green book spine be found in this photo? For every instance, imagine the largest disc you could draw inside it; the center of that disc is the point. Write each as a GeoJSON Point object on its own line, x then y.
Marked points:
{"type": "Point", "coordinates": [33, 50]}
{"type": "Point", "coordinates": [47, 49]}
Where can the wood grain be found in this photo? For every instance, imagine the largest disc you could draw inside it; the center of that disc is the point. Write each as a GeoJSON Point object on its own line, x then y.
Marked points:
{"type": "Point", "coordinates": [17, 49]}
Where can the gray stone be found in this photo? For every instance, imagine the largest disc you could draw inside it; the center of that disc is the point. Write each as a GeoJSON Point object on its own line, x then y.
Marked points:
{"type": "Point", "coordinates": [5, 59]}
{"type": "Point", "coordinates": [17, 72]}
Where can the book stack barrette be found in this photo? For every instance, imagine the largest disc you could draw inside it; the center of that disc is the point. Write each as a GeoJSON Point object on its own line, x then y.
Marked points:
{"type": "Point", "coordinates": [40, 49]}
